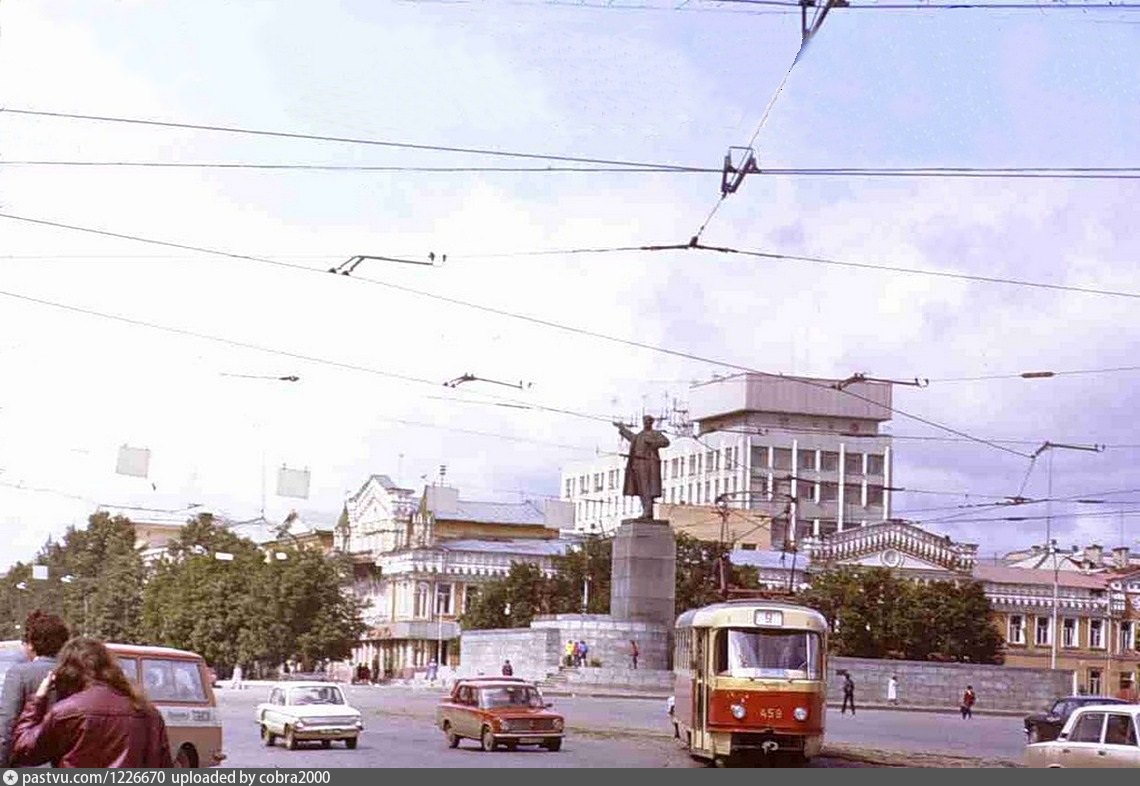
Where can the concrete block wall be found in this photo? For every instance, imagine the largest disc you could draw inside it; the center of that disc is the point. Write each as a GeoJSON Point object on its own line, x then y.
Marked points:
{"type": "Point", "coordinates": [533, 652]}
{"type": "Point", "coordinates": [608, 638]}
{"type": "Point", "coordinates": [928, 684]}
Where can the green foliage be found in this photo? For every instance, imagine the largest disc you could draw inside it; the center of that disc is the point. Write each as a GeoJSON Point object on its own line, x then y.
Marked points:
{"type": "Point", "coordinates": [247, 609]}
{"type": "Point", "coordinates": [526, 593]}
{"type": "Point", "coordinates": [875, 613]}
{"type": "Point", "coordinates": [103, 595]}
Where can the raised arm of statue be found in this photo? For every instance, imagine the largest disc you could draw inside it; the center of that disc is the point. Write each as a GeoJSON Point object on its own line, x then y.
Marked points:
{"type": "Point", "coordinates": [624, 430]}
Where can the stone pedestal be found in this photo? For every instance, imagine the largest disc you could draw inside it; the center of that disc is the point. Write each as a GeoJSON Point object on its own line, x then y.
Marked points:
{"type": "Point", "coordinates": [644, 572]}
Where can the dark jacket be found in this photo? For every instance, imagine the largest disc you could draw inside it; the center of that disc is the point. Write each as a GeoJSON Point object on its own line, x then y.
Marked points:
{"type": "Point", "coordinates": [20, 684]}
{"type": "Point", "coordinates": [96, 727]}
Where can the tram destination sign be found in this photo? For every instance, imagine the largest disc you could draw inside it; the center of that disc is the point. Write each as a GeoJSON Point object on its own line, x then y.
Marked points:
{"type": "Point", "coordinates": [766, 618]}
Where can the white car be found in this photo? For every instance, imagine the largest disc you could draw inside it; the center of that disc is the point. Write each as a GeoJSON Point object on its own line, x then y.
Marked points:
{"type": "Point", "coordinates": [1098, 735]}
{"type": "Point", "coordinates": [300, 711]}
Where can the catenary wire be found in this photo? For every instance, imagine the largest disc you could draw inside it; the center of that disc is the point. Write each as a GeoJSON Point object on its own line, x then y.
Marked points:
{"type": "Point", "coordinates": [529, 318]}
{"type": "Point", "coordinates": [336, 139]}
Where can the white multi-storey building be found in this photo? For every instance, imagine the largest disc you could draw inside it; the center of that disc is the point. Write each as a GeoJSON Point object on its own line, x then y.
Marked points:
{"type": "Point", "coordinates": [801, 450]}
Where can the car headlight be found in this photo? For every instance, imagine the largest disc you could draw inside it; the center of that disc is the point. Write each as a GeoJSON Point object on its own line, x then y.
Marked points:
{"type": "Point", "coordinates": [558, 724]}
{"type": "Point", "coordinates": [738, 711]}
{"type": "Point", "coordinates": [800, 713]}
{"type": "Point", "coordinates": [359, 723]}
{"type": "Point", "coordinates": [505, 725]}
{"type": "Point", "coordinates": [299, 724]}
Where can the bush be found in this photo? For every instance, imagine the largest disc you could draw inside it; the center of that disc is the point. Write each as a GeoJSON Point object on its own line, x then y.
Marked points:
{"type": "Point", "coordinates": [595, 662]}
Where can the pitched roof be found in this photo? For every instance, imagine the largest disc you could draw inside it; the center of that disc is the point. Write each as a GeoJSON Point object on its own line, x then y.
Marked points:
{"type": "Point", "coordinates": [1006, 575]}
{"type": "Point", "coordinates": [518, 513]}
{"type": "Point", "coordinates": [768, 558]}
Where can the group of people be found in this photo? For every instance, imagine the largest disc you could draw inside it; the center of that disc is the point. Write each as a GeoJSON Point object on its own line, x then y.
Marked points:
{"type": "Point", "coordinates": [71, 705]}
{"type": "Point", "coordinates": [969, 698]}
{"type": "Point", "coordinates": [576, 653]}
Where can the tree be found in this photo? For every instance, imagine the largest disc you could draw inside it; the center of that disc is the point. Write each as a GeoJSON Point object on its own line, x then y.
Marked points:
{"type": "Point", "coordinates": [698, 581]}
{"type": "Point", "coordinates": [586, 565]}
{"type": "Point", "coordinates": [512, 601]}
{"type": "Point", "coordinates": [875, 613]}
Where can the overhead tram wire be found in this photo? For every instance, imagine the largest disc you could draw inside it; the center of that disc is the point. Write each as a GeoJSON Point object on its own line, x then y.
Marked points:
{"type": "Point", "coordinates": [339, 139]}
{"type": "Point", "coordinates": [1033, 173]}
{"type": "Point", "coordinates": [524, 317]}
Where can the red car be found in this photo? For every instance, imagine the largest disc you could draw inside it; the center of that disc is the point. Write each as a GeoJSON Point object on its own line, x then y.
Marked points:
{"type": "Point", "coordinates": [502, 711]}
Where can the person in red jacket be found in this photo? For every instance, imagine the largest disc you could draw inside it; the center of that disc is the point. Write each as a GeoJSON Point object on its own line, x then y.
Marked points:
{"type": "Point", "coordinates": [98, 720]}
{"type": "Point", "coordinates": [968, 700]}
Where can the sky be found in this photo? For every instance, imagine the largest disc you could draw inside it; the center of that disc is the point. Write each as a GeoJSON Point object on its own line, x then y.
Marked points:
{"type": "Point", "coordinates": [85, 369]}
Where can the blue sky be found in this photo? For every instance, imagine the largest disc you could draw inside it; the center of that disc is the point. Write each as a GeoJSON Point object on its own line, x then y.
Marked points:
{"type": "Point", "coordinates": [1049, 87]}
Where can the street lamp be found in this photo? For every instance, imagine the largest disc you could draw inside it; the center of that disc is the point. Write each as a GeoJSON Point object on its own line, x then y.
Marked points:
{"type": "Point", "coordinates": [1050, 543]}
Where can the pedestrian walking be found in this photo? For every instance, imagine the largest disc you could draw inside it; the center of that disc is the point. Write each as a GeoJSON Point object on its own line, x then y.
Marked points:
{"type": "Point", "coordinates": [633, 652]}
{"type": "Point", "coordinates": [585, 653]}
{"type": "Point", "coordinates": [968, 699]}
{"type": "Point", "coordinates": [236, 679]}
{"type": "Point", "coordinates": [508, 670]}
{"type": "Point", "coordinates": [44, 635]}
{"type": "Point", "coordinates": [571, 648]}
{"type": "Point", "coordinates": [848, 693]}
{"type": "Point", "coordinates": [100, 718]}
{"type": "Point", "coordinates": [893, 690]}
{"type": "Point", "coordinates": [432, 670]}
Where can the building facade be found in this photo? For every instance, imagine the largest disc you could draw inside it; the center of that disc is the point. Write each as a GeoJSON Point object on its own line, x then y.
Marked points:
{"type": "Point", "coordinates": [427, 568]}
{"type": "Point", "coordinates": [799, 450]}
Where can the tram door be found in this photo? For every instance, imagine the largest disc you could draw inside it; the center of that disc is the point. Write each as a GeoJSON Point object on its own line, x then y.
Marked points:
{"type": "Point", "coordinates": [700, 739]}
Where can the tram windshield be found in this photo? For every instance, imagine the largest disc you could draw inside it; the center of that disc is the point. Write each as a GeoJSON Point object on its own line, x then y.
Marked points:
{"type": "Point", "coordinates": [779, 654]}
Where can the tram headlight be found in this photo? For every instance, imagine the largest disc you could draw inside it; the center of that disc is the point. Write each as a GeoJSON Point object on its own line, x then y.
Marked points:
{"type": "Point", "coordinates": [800, 713]}
{"type": "Point", "coordinates": [738, 711]}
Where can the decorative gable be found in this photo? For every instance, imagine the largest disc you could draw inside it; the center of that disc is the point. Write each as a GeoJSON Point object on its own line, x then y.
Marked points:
{"type": "Point", "coordinates": [894, 544]}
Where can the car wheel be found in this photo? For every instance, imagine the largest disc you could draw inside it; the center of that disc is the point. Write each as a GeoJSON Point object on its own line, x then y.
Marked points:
{"type": "Point", "coordinates": [187, 757]}
{"type": "Point", "coordinates": [554, 745]}
{"type": "Point", "coordinates": [326, 744]}
{"type": "Point", "coordinates": [513, 745]}
{"type": "Point", "coordinates": [350, 743]}
{"type": "Point", "coordinates": [452, 737]}
{"type": "Point", "coordinates": [268, 737]}
{"type": "Point", "coordinates": [487, 739]}
{"type": "Point", "coordinates": [290, 738]}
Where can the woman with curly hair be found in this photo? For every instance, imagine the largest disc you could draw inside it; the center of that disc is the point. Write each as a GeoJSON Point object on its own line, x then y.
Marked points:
{"type": "Point", "coordinates": [99, 718]}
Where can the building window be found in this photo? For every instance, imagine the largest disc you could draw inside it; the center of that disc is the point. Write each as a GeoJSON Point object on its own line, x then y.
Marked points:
{"type": "Point", "coordinates": [874, 495]}
{"type": "Point", "coordinates": [1042, 637]}
{"type": "Point", "coordinates": [1096, 634]}
{"type": "Point", "coordinates": [693, 465]}
{"type": "Point", "coordinates": [828, 492]}
{"type": "Point", "coordinates": [1094, 681]}
{"type": "Point", "coordinates": [828, 527]}
{"type": "Point", "coordinates": [443, 599]}
{"type": "Point", "coordinates": [807, 459]}
{"type": "Point", "coordinates": [1016, 633]}
{"type": "Point", "coordinates": [829, 461]}
{"type": "Point", "coordinates": [422, 608]}
{"type": "Point", "coordinates": [1069, 633]}
{"type": "Point", "coordinates": [1125, 636]}
{"type": "Point", "coordinates": [782, 458]}
{"type": "Point", "coordinates": [569, 488]}
{"type": "Point", "coordinates": [853, 464]}
{"type": "Point", "coordinates": [874, 464]}
{"type": "Point", "coordinates": [582, 484]}
{"type": "Point", "coordinates": [673, 467]}
{"type": "Point", "coordinates": [597, 481]}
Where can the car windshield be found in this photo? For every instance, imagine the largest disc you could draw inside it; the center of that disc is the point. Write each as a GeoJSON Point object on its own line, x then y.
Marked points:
{"type": "Point", "coordinates": [316, 695]}
{"type": "Point", "coordinates": [788, 654]}
{"type": "Point", "coordinates": [509, 696]}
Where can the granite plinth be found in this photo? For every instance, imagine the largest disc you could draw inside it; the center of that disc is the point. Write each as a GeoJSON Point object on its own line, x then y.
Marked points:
{"type": "Point", "coordinates": [643, 583]}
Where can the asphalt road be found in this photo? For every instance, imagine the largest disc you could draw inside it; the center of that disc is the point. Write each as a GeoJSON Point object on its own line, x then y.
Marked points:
{"type": "Point", "coordinates": [399, 732]}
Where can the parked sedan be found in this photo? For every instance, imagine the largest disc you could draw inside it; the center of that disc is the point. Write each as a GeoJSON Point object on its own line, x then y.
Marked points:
{"type": "Point", "coordinates": [501, 711]}
{"type": "Point", "coordinates": [1045, 726]}
{"type": "Point", "coordinates": [1097, 735]}
{"type": "Point", "coordinates": [299, 711]}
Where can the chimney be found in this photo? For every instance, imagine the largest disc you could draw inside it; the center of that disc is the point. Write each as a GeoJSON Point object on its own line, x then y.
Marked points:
{"type": "Point", "coordinates": [1094, 555]}
{"type": "Point", "coordinates": [1120, 558]}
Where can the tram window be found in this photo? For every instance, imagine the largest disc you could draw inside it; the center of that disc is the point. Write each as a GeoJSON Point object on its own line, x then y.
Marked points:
{"type": "Point", "coordinates": [768, 653]}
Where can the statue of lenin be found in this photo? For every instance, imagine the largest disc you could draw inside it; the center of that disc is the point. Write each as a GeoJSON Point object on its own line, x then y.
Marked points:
{"type": "Point", "coordinates": [643, 467]}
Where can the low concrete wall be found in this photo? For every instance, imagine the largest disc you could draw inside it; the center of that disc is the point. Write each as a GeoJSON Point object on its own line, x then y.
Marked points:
{"type": "Point", "coordinates": [927, 684]}
{"type": "Point", "coordinates": [538, 651]}
{"type": "Point", "coordinates": [533, 652]}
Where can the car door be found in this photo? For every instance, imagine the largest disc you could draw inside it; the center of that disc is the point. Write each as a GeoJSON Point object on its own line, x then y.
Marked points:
{"type": "Point", "coordinates": [1079, 748]}
{"type": "Point", "coordinates": [466, 718]}
{"type": "Point", "coordinates": [273, 716]}
{"type": "Point", "coordinates": [1119, 747]}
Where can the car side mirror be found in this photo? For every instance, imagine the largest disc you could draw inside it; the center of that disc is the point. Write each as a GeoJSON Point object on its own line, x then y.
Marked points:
{"type": "Point", "coordinates": [548, 705]}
